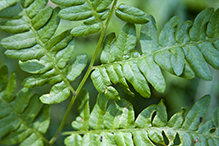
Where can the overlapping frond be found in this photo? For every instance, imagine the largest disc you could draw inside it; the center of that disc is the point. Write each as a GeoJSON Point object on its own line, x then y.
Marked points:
{"type": "Point", "coordinates": [183, 50]}
{"type": "Point", "coordinates": [39, 51]}
{"type": "Point", "coordinates": [116, 125]}
{"type": "Point", "coordinates": [92, 12]}
{"type": "Point", "coordinates": [23, 119]}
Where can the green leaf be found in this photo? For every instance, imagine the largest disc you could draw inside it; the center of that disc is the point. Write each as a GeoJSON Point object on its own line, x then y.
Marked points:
{"type": "Point", "coordinates": [39, 51]}
{"type": "Point", "coordinates": [115, 125]}
{"type": "Point", "coordinates": [92, 12]}
{"type": "Point", "coordinates": [3, 77]}
{"type": "Point", "coordinates": [131, 14]}
{"type": "Point", "coordinates": [198, 110]}
{"type": "Point", "coordinates": [84, 111]}
{"type": "Point", "coordinates": [102, 83]}
{"type": "Point", "coordinates": [134, 76]}
{"type": "Point", "coordinates": [197, 62]}
{"type": "Point", "coordinates": [68, 2]}
{"type": "Point", "coordinates": [119, 115]}
{"type": "Point", "coordinates": [184, 50]}
{"type": "Point", "coordinates": [126, 41]}
{"type": "Point", "coordinates": [73, 140]}
{"type": "Point", "coordinates": [58, 93]}
{"type": "Point", "coordinates": [96, 117]}
{"type": "Point", "coordinates": [23, 118]}
{"type": "Point", "coordinates": [152, 73]}
{"type": "Point", "coordinates": [85, 30]}
{"type": "Point", "coordinates": [79, 12]}
{"type": "Point", "coordinates": [100, 5]}
{"type": "Point", "coordinates": [6, 3]}
{"type": "Point", "coordinates": [160, 120]}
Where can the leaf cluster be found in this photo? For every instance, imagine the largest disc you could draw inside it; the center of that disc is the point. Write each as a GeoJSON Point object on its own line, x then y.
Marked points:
{"type": "Point", "coordinates": [183, 50]}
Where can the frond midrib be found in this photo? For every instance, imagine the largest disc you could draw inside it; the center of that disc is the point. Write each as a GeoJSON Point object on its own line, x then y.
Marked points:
{"type": "Point", "coordinates": [180, 45]}
{"type": "Point", "coordinates": [138, 129]}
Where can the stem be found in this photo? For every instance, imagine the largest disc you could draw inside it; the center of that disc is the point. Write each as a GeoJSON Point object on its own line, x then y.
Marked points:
{"type": "Point", "coordinates": [85, 76]}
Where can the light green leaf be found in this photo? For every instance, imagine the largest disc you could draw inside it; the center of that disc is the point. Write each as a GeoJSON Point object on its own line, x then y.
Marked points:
{"type": "Point", "coordinates": [152, 73]}
{"type": "Point", "coordinates": [99, 110]}
{"type": "Point", "coordinates": [68, 2]}
{"type": "Point", "coordinates": [123, 139]}
{"type": "Point", "coordinates": [73, 140]}
{"type": "Point", "coordinates": [82, 121]}
{"type": "Point", "coordinates": [198, 110]}
{"type": "Point", "coordinates": [134, 76]}
{"type": "Point", "coordinates": [108, 53]}
{"type": "Point", "coordinates": [19, 41]}
{"type": "Point", "coordinates": [85, 30]}
{"type": "Point", "coordinates": [100, 5]}
{"type": "Point", "coordinates": [75, 68]}
{"type": "Point", "coordinates": [212, 28]}
{"type": "Point", "coordinates": [6, 3]}
{"type": "Point", "coordinates": [58, 93]}
{"type": "Point", "coordinates": [167, 36]}
{"type": "Point", "coordinates": [144, 118]}
{"type": "Point", "coordinates": [177, 60]}
{"type": "Point", "coordinates": [79, 12]}
{"type": "Point", "coordinates": [141, 138]}
{"type": "Point", "coordinates": [131, 14]}
{"type": "Point", "coordinates": [160, 120]}
{"type": "Point", "coordinates": [119, 115]}
{"type": "Point", "coordinates": [126, 41]}
{"type": "Point", "coordinates": [197, 62]}
{"type": "Point", "coordinates": [149, 36]}
{"type": "Point", "coordinates": [197, 32]}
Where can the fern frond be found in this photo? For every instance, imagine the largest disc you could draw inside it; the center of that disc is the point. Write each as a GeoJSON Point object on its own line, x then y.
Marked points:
{"type": "Point", "coordinates": [92, 12]}
{"type": "Point", "coordinates": [181, 50]}
{"type": "Point", "coordinates": [39, 51]}
{"type": "Point", "coordinates": [116, 125]}
{"type": "Point", "coordinates": [23, 118]}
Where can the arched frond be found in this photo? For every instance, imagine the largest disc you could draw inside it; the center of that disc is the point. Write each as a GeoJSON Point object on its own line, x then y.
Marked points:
{"type": "Point", "coordinates": [40, 52]}
{"type": "Point", "coordinates": [23, 118]}
{"type": "Point", "coordinates": [115, 124]}
{"type": "Point", "coordinates": [183, 50]}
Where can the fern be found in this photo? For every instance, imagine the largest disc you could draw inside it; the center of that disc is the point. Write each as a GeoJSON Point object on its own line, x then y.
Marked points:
{"type": "Point", "coordinates": [92, 12]}
{"type": "Point", "coordinates": [184, 50]}
{"type": "Point", "coordinates": [23, 118]}
{"type": "Point", "coordinates": [39, 51]}
{"type": "Point", "coordinates": [116, 124]}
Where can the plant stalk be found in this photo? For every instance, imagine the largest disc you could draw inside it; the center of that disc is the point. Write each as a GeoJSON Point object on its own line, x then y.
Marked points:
{"type": "Point", "coordinates": [53, 139]}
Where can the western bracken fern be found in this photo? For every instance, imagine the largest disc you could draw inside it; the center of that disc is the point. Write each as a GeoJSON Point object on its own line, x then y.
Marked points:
{"type": "Point", "coordinates": [39, 51]}
{"type": "Point", "coordinates": [116, 124]}
{"type": "Point", "coordinates": [184, 50]}
{"type": "Point", "coordinates": [23, 118]}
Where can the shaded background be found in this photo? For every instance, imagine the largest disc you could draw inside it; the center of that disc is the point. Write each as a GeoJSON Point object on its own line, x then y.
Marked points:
{"type": "Point", "coordinates": [179, 92]}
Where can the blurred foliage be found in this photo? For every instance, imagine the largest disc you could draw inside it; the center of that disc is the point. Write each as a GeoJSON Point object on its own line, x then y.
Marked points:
{"type": "Point", "coordinates": [179, 92]}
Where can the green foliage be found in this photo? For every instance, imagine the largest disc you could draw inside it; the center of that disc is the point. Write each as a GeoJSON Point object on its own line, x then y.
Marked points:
{"type": "Point", "coordinates": [39, 51]}
{"type": "Point", "coordinates": [23, 118]}
{"type": "Point", "coordinates": [183, 50]}
{"type": "Point", "coordinates": [116, 124]}
{"type": "Point", "coordinates": [93, 12]}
